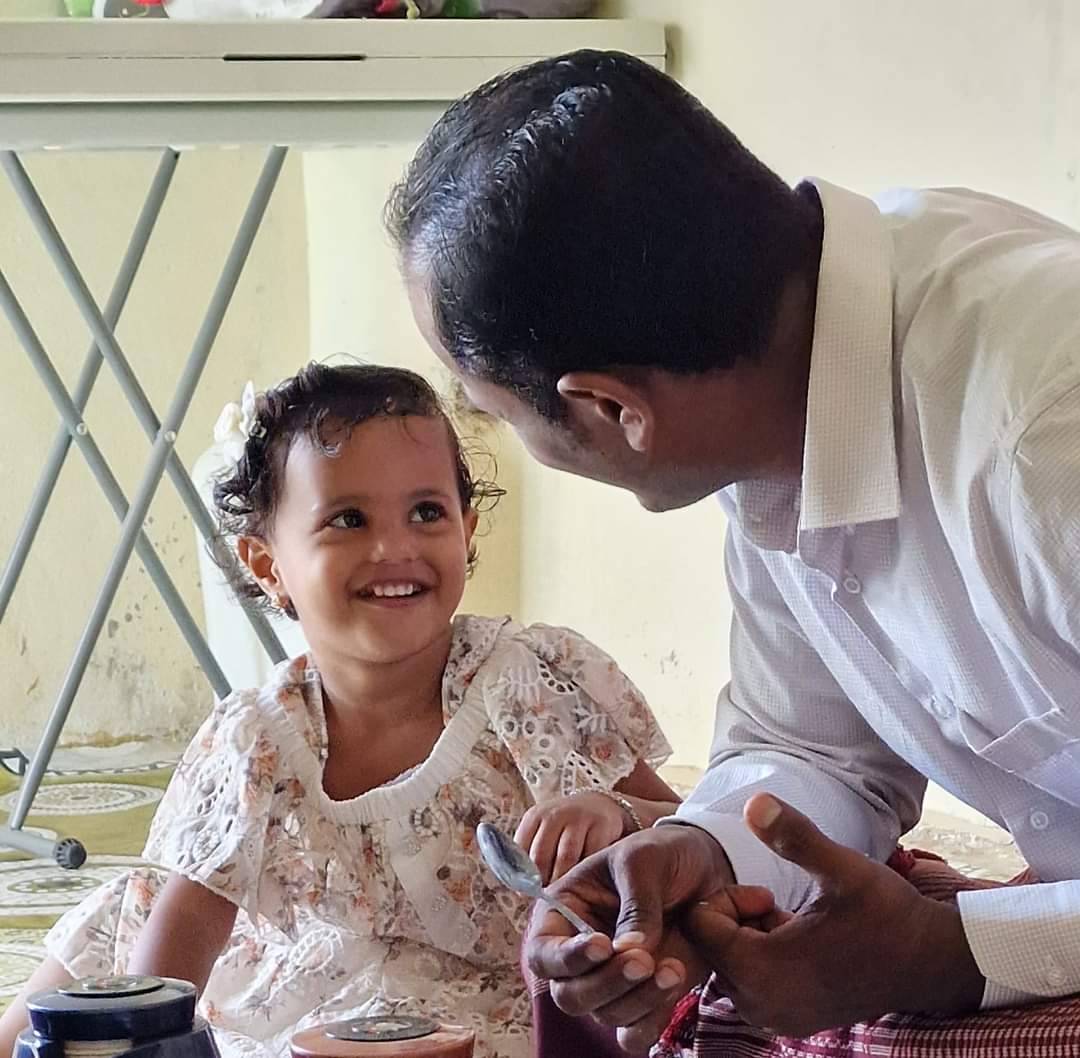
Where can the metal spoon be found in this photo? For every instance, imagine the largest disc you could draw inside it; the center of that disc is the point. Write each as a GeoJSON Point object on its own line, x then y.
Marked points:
{"type": "Point", "coordinates": [511, 864]}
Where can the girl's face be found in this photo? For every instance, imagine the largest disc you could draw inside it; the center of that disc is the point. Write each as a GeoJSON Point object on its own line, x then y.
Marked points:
{"type": "Point", "coordinates": [371, 544]}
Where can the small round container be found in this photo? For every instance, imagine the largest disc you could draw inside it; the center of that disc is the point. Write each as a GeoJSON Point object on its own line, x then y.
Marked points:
{"type": "Point", "coordinates": [383, 1037]}
{"type": "Point", "coordinates": [97, 1017]}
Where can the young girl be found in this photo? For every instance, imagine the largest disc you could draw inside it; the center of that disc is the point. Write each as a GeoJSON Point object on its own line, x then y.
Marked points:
{"type": "Point", "coordinates": [318, 837]}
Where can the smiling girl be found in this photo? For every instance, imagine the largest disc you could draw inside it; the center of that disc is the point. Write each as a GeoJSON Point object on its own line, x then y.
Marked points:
{"type": "Point", "coordinates": [317, 842]}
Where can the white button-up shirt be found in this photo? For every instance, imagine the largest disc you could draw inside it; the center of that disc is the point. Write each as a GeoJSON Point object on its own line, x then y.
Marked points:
{"type": "Point", "coordinates": [913, 608]}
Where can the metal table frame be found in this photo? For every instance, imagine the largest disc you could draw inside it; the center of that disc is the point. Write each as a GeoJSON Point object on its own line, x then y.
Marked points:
{"type": "Point", "coordinates": [107, 85]}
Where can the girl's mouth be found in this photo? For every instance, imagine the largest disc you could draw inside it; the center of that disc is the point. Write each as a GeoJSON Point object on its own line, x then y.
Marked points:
{"type": "Point", "coordinates": [394, 593]}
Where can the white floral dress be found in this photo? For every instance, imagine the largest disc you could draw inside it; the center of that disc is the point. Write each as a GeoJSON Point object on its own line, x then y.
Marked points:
{"type": "Point", "coordinates": [380, 903]}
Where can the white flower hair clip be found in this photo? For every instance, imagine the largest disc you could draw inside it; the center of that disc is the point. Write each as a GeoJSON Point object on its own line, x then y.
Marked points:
{"type": "Point", "coordinates": [236, 423]}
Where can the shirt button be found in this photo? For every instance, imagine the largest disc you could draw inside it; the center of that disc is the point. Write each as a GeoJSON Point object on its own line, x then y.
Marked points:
{"type": "Point", "coordinates": [1055, 975]}
{"type": "Point", "coordinates": [941, 707]}
{"type": "Point", "coordinates": [852, 584]}
{"type": "Point", "coordinates": [849, 530]}
{"type": "Point", "coordinates": [1039, 820]}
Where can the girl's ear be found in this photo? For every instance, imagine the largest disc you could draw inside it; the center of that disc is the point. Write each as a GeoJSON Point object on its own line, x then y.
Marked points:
{"type": "Point", "coordinates": [470, 518]}
{"type": "Point", "coordinates": [256, 554]}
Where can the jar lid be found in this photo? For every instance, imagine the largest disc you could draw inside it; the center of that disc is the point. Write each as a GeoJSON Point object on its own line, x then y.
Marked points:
{"type": "Point", "coordinates": [382, 1029]}
{"type": "Point", "coordinates": [111, 1008]}
{"type": "Point", "coordinates": [383, 1037]}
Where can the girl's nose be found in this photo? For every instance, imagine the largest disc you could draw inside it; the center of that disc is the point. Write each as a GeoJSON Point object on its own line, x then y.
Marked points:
{"type": "Point", "coordinates": [394, 545]}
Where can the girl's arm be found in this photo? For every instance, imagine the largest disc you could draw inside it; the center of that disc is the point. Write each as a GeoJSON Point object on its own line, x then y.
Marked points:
{"type": "Point", "coordinates": [50, 974]}
{"type": "Point", "coordinates": [648, 793]}
{"type": "Point", "coordinates": [185, 933]}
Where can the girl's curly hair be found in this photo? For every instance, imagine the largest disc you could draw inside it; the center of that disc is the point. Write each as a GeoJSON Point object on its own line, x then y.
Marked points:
{"type": "Point", "coordinates": [323, 403]}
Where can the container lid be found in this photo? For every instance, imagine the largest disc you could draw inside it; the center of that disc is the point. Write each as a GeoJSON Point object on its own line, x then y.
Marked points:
{"type": "Point", "coordinates": [384, 1037]}
{"type": "Point", "coordinates": [111, 1008]}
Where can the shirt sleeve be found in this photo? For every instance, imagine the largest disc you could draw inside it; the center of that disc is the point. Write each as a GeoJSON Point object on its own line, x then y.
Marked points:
{"type": "Point", "coordinates": [784, 726]}
{"type": "Point", "coordinates": [567, 714]}
{"type": "Point", "coordinates": [212, 822]}
{"type": "Point", "coordinates": [1026, 939]}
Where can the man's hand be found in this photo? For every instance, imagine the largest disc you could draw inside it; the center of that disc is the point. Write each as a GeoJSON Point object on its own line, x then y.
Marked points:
{"type": "Point", "coordinates": [634, 969]}
{"type": "Point", "coordinates": [869, 945]}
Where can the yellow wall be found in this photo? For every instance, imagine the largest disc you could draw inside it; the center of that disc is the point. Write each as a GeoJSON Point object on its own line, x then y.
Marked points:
{"type": "Point", "coordinates": [982, 93]}
{"type": "Point", "coordinates": [358, 307]}
{"type": "Point", "coordinates": [142, 679]}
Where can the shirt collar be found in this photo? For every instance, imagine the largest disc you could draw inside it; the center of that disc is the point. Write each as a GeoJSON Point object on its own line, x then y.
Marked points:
{"type": "Point", "coordinates": [850, 473]}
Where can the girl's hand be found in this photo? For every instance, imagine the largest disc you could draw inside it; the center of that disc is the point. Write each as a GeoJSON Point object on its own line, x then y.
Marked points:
{"type": "Point", "coordinates": [560, 833]}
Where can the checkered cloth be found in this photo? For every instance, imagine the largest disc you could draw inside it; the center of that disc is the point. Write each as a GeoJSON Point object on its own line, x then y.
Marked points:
{"type": "Point", "coordinates": [705, 1024]}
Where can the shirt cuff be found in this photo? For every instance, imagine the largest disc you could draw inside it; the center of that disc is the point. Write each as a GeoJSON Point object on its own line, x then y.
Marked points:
{"type": "Point", "coordinates": [752, 862]}
{"type": "Point", "coordinates": [1024, 940]}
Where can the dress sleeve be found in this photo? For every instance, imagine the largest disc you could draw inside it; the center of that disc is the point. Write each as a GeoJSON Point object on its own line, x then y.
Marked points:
{"type": "Point", "coordinates": [212, 822]}
{"type": "Point", "coordinates": [567, 713]}
{"type": "Point", "coordinates": [96, 938]}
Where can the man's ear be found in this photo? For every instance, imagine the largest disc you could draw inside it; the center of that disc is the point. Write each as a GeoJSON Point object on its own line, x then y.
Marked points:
{"type": "Point", "coordinates": [614, 401]}
{"type": "Point", "coordinates": [255, 553]}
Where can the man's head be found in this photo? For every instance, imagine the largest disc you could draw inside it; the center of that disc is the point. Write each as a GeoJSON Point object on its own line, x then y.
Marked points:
{"type": "Point", "coordinates": [587, 247]}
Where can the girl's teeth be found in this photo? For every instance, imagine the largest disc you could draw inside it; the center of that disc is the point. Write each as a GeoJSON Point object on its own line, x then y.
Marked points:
{"type": "Point", "coordinates": [394, 590]}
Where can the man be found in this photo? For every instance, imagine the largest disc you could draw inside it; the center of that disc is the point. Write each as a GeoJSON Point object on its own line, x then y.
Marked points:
{"type": "Point", "coordinates": [886, 399]}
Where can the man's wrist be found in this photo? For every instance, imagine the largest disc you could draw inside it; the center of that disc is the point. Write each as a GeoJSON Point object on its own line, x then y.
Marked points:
{"type": "Point", "coordinates": [942, 975]}
{"type": "Point", "coordinates": [722, 872]}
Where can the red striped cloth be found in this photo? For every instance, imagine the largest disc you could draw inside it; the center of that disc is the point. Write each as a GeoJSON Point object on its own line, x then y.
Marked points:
{"type": "Point", "coordinates": [705, 1025]}
{"type": "Point", "coordinates": [712, 1029]}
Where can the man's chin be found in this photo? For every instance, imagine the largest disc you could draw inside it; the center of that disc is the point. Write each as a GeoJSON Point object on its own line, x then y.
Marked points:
{"type": "Point", "coordinates": [658, 504]}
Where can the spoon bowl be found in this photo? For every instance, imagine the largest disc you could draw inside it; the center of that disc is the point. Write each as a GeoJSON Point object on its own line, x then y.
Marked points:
{"type": "Point", "coordinates": [513, 866]}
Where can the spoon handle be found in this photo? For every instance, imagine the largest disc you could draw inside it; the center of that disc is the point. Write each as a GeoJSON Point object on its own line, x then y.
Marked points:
{"type": "Point", "coordinates": [572, 917]}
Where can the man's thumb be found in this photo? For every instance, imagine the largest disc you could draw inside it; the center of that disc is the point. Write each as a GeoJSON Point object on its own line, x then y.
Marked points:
{"type": "Point", "coordinates": [793, 837]}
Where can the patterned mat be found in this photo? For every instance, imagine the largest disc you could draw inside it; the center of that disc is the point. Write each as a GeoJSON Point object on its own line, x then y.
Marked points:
{"type": "Point", "coordinates": [109, 811]}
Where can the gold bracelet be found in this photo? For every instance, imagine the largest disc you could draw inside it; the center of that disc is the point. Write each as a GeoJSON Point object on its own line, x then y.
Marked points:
{"type": "Point", "coordinates": [626, 806]}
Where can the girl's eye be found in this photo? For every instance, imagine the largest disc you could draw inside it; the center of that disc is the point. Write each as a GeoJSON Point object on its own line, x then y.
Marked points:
{"type": "Point", "coordinates": [350, 519]}
{"type": "Point", "coordinates": [427, 512]}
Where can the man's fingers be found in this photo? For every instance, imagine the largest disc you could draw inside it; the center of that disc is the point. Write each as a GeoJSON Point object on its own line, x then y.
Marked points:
{"type": "Point", "coordinates": [747, 901]}
{"type": "Point", "coordinates": [658, 993]}
{"type": "Point", "coordinates": [639, 1036]}
{"type": "Point", "coordinates": [554, 950]}
{"type": "Point", "coordinates": [792, 836]}
{"type": "Point", "coordinates": [711, 929]}
{"type": "Point", "coordinates": [607, 984]}
{"type": "Point", "coordinates": [636, 1037]}
{"type": "Point", "coordinates": [641, 901]}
